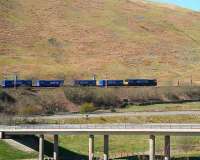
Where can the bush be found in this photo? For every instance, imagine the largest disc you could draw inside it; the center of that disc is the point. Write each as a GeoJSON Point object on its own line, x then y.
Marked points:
{"type": "Point", "coordinates": [112, 110]}
{"type": "Point", "coordinates": [51, 104]}
{"type": "Point", "coordinates": [107, 98]}
{"type": "Point", "coordinates": [87, 107]}
{"type": "Point", "coordinates": [28, 110]}
{"type": "Point", "coordinates": [100, 97]}
{"type": "Point", "coordinates": [79, 95]}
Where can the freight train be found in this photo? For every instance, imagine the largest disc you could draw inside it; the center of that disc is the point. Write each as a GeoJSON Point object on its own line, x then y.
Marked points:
{"type": "Point", "coordinates": [80, 83]}
{"type": "Point", "coordinates": [116, 83]}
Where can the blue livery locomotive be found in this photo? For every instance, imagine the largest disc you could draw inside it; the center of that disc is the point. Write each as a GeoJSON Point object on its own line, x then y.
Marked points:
{"type": "Point", "coordinates": [141, 82]}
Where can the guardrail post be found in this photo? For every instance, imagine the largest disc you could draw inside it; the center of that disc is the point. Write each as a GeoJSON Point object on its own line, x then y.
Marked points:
{"type": "Point", "coordinates": [41, 147]}
{"type": "Point", "coordinates": [106, 147]}
{"type": "Point", "coordinates": [152, 147]}
{"type": "Point", "coordinates": [167, 148]}
{"type": "Point", "coordinates": [55, 148]}
{"type": "Point", "coordinates": [1, 135]}
{"type": "Point", "coordinates": [91, 147]}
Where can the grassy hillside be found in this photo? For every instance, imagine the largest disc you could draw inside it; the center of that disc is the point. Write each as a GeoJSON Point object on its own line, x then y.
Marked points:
{"type": "Point", "coordinates": [112, 38]}
{"type": "Point", "coordinates": [8, 152]}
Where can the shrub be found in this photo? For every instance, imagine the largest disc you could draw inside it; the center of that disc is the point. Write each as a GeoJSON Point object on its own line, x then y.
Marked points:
{"type": "Point", "coordinates": [28, 110]}
{"type": "Point", "coordinates": [112, 110]}
{"type": "Point", "coordinates": [87, 107]}
{"type": "Point", "coordinates": [79, 95]}
{"type": "Point", "coordinates": [106, 98]}
{"type": "Point", "coordinates": [100, 97]}
{"type": "Point", "coordinates": [54, 42]}
{"type": "Point", "coordinates": [52, 104]}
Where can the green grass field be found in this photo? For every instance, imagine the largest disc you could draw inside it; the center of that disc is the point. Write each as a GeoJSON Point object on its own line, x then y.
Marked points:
{"type": "Point", "coordinates": [9, 153]}
{"type": "Point", "coordinates": [119, 146]}
{"type": "Point", "coordinates": [130, 145]}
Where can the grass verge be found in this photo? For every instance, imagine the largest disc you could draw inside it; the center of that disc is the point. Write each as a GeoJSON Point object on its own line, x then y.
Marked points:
{"type": "Point", "coordinates": [114, 119]}
{"type": "Point", "coordinates": [192, 106]}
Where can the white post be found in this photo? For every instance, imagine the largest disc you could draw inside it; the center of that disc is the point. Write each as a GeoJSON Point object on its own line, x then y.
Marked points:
{"type": "Point", "coordinates": [1, 135]}
{"type": "Point", "coordinates": [91, 147]}
{"type": "Point", "coordinates": [167, 148]}
{"type": "Point", "coordinates": [41, 147]}
{"type": "Point", "coordinates": [152, 147]}
{"type": "Point", "coordinates": [15, 81]}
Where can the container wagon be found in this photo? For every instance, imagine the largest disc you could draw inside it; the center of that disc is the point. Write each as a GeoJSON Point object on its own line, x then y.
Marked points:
{"type": "Point", "coordinates": [109, 83]}
{"type": "Point", "coordinates": [49, 83]}
{"type": "Point", "coordinates": [85, 83]}
{"type": "Point", "coordinates": [7, 83]}
{"type": "Point", "coordinates": [17, 83]}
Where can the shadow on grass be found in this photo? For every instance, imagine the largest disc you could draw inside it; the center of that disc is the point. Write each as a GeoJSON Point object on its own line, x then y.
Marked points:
{"type": "Point", "coordinates": [146, 157]}
{"type": "Point", "coordinates": [33, 143]}
{"type": "Point", "coordinates": [136, 157]}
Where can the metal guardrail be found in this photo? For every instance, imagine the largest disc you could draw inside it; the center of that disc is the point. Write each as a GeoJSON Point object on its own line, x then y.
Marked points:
{"type": "Point", "coordinates": [101, 126]}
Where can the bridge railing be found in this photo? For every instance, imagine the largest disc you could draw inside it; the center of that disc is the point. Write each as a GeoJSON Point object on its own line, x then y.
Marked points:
{"type": "Point", "coordinates": [102, 126]}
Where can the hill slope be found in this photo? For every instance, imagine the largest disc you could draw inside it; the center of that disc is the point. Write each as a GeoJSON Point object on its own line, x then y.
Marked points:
{"type": "Point", "coordinates": [112, 38]}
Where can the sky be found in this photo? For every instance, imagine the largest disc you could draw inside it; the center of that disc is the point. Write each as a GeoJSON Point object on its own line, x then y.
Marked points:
{"type": "Point", "coordinates": [190, 4]}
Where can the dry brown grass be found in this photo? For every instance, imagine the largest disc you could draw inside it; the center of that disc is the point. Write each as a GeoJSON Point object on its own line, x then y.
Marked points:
{"type": "Point", "coordinates": [35, 102]}
{"type": "Point", "coordinates": [117, 39]}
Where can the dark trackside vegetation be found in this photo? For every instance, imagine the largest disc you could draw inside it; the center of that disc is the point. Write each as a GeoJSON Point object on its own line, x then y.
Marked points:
{"type": "Point", "coordinates": [31, 102]}
{"type": "Point", "coordinates": [120, 97]}
{"type": "Point", "coordinates": [100, 97]}
{"type": "Point", "coordinates": [70, 99]}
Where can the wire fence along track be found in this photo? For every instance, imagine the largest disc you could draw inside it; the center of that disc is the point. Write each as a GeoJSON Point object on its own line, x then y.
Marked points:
{"type": "Point", "coordinates": [102, 126]}
{"type": "Point", "coordinates": [97, 87]}
{"type": "Point", "coordinates": [72, 86]}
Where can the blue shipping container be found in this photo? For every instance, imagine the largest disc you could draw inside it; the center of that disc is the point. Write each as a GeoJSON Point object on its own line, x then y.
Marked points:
{"type": "Point", "coordinates": [103, 83]}
{"type": "Point", "coordinates": [7, 83]}
{"type": "Point", "coordinates": [85, 82]}
{"type": "Point", "coordinates": [18, 83]}
{"type": "Point", "coordinates": [49, 83]}
{"type": "Point", "coordinates": [24, 83]}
